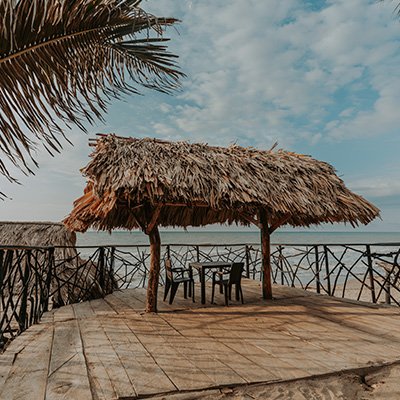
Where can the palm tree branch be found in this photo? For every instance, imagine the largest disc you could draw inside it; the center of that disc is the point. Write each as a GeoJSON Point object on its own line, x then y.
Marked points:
{"type": "Point", "coordinates": [64, 61]}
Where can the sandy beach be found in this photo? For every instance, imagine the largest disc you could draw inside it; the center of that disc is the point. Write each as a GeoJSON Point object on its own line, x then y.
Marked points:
{"type": "Point", "coordinates": [376, 383]}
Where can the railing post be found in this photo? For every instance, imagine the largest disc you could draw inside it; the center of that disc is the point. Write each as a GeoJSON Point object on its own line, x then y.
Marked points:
{"type": "Point", "coordinates": [168, 251]}
{"type": "Point", "coordinates": [247, 262]}
{"type": "Point", "coordinates": [101, 269]}
{"type": "Point", "coordinates": [197, 253]}
{"type": "Point", "coordinates": [2, 340]}
{"type": "Point", "coordinates": [317, 277]}
{"type": "Point", "coordinates": [281, 265]}
{"type": "Point", "coordinates": [50, 266]}
{"type": "Point", "coordinates": [328, 277]}
{"type": "Point", "coordinates": [24, 298]}
{"type": "Point", "coordinates": [387, 292]}
{"type": "Point", "coordinates": [111, 273]}
{"type": "Point", "coordinates": [371, 273]}
{"type": "Point", "coordinates": [1, 273]}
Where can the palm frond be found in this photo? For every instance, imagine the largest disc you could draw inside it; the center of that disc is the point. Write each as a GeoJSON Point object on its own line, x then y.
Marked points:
{"type": "Point", "coordinates": [62, 61]}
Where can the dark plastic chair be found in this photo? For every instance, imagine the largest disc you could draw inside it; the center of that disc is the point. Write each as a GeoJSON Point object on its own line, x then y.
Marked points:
{"type": "Point", "coordinates": [176, 276]}
{"type": "Point", "coordinates": [226, 279]}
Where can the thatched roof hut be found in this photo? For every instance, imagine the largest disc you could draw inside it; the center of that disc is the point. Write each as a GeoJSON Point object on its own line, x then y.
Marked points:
{"type": "Point", "coordinates": [66, 257]}
{"type": "Point", "coordinates": [35, 234]}
{"type": "Point", "coordinates": [145, 183]}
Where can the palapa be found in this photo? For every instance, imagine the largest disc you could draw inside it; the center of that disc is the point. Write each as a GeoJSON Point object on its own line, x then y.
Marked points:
{"type": "Point", "coordinates": [146, 183]}
{"type": "Point", "coordinates": [52, 234]}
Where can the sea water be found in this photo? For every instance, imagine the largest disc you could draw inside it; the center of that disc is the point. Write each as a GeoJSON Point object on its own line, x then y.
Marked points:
{"type": "Point", "coordinates": [349, 260]}
{"type": "Point", "coordinates": [135, 238]}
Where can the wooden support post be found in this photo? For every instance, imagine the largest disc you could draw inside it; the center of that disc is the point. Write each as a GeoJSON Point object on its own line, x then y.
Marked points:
{"type": "Point", "coordinates": [197, 253]}
{"type": "Point", "coordinates": [328, 274]}
{"type": "Point", "coordinates": [154, 273]}
{"type": "Point", "coordinates": [23, 323]}
{"type": "Point", "coordinates": [49, 278]}
{"type": "Point", "coordinates": [247, 262]}
{"type": "Point", "coordinates": [317, 276]}
{"type": "Point", "coordinates": [266, 255]}
{"type": "Point", "coordinates": [280, 248]}
{"type": "Point", "coordinates": [371, 273]}
{"type": "Point", "coordinates": [387, 287]}
{"type": "Point", "coordinates": [101, 269]}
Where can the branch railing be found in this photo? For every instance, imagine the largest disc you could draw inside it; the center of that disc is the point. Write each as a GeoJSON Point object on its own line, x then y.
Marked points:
{"type": "Point", "coordinates": [33, 280]}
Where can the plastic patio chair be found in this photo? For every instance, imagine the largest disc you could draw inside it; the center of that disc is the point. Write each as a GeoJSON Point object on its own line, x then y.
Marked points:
{"type": "Point", "coordinates": [174, 277]}
{"type": "Point", "coordinates": [226, 279]}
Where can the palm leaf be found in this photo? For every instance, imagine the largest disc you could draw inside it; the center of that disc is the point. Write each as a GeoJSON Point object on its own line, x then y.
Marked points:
{"type": "Point", "coordinates": [61, 61]}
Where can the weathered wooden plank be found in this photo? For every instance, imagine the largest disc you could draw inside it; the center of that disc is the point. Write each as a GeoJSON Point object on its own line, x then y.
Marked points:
{"type": "Point", "coordinates": [6, 362]}
{"type": "Point", "coordinates": [68, 376]}
{"type": "Point", "coordinates": [247, 361]}
{"type": "Point", "coordinates": [107, 376]}
{"type": "Point", "coordinates": [198, 352]}
{"type": "Point", "coordinates": [128, 297]}
{"type": "Point", "coordinates": [83, 310]}
{"type": "Point", "coordinates": [47, 317]}
{"type": "Point", "coordinates": [23, 340]}
{"type": "Point", "coordinates": [64, 313]}
{"type": "Point", "coordinates": [28, 375]}
{"type": "Point", "coordinates": [16, 347]}
{"type": "Point", "coordinates": [266, 365]}
{"type": "Point", "coordinates": [144, 373]}
{"type": "Point", "coordinates": [346, 322]}
{"type": "Point", "coordinates": [184, 374]}
{"type": "Point", "coordinates": [118, 305]}
{"type": "Point", "coordinates": [101, 307]}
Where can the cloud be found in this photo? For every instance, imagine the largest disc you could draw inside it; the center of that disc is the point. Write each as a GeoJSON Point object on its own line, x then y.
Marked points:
{"type": "Point", "coordinates": [259, 73]}
{"type": "Point", "coordinates": [377, 187]}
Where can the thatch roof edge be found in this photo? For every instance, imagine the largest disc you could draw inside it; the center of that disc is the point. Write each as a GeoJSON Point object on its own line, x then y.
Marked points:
{"type": "Point", "coordinates": [231, 184]}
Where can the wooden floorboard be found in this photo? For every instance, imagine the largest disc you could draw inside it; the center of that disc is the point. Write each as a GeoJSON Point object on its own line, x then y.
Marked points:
{"type": "Point", "coordinates": [68, 375]}
{"type": "Point", "coordinates": [146, 375]}
{"type": "Point", "coordinates": [107, 375]}
{"type": "Point", "coordinates": [109, 348]}
{"type": "Point", "coordinates": [27, 378]}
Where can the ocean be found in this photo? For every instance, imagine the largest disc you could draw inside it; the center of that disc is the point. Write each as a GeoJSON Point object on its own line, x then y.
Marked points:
{"type": "Point", "coordinates": [347, 264]}
{"type": "Point", "coordinates": [236, 237]}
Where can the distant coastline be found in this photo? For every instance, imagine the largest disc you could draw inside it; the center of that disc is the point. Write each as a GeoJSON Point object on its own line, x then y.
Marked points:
{"type": "Point", "coordinates": [234, 237]}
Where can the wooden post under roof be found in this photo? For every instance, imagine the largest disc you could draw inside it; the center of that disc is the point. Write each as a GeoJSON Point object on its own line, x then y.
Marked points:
{"type": "Point", "coordinates": [151, 229]}
{"type": "Point", "coordinates": [154, 273]}
{"type": "Point", "coordinates": [265, 255]}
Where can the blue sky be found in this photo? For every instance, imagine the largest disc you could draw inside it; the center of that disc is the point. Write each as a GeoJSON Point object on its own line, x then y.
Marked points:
{"type": "Point", "coordinates": [318, 77]}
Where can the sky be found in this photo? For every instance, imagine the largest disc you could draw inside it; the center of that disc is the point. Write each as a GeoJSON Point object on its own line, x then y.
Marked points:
{"type": "Point", "coordinates": [318, 77]}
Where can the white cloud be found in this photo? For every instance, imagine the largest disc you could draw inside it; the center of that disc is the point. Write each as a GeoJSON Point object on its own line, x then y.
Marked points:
{"type": "Point", "coordinates": [269, 72]}
{"type": "Point", "coordinates": [377, 187]}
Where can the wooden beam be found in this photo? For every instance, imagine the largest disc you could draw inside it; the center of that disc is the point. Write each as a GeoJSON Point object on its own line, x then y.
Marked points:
{"type": "Point", "coordinates": [154, 273]}
{"type": "Point", "coordinates": [279, 223]}
{"type": "Point", "coordinates": [140, 222]}
{"type": "Point", "coordinates": [154, 219]}
{"type": "Point", "coordinates": [251, 220]}
{"type": "Point", "coordinates": [195, 204]}
{"type": "Point", "coordinates": [266, 255]}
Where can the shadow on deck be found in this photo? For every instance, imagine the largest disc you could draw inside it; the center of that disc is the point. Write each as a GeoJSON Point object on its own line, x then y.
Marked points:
{"type": "Point", "coordinates": [109, 348]}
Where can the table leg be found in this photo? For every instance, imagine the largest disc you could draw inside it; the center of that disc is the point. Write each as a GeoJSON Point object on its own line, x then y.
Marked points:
{"type": "Point", "coordinates": [203, 285]}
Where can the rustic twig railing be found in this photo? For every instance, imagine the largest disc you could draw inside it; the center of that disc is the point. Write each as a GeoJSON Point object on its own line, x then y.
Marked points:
{"type": "Point", "coordinates": [34, 280]}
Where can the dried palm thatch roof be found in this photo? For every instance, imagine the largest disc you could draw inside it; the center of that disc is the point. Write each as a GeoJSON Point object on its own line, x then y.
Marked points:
{"type": "Point", "coordinates": [35, 234]}
{"type": "Point", "coordinates": [183, 184]}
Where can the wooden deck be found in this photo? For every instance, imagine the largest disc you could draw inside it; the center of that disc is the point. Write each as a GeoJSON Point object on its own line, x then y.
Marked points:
{"type": "Point", "coordinates": [109, 349]}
